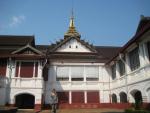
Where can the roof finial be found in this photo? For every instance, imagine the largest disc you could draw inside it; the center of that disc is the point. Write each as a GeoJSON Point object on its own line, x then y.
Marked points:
{"type": "Point", "coordinates": [72, 30]}
{"type": "Point", "coordinates": [72, 19]}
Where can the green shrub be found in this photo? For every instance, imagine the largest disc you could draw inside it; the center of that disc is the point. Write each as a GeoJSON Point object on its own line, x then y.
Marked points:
{"type": "Point", "coordinates": [136, 111]}
{"type": "Point", "coordinates": [138, 104]}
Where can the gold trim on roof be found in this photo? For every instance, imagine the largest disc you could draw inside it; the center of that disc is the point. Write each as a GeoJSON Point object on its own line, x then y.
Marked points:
{"type": "Point", "coordinates": [72, 30]}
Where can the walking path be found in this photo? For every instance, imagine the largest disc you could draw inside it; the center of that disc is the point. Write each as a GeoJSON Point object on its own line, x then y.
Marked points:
{"type": "Point", "coordinates": [76, 111]}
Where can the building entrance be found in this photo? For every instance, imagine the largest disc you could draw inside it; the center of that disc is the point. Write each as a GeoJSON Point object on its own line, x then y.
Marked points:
{"type": "Point", "coordinates": [25, 101]}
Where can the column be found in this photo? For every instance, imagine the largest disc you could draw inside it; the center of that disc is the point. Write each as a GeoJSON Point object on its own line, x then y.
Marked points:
{"type": "Point", "coordinates": [118, 98]}
{"type": "Point", "coordinates": [84, 75]}
{"type": "Point", "coordinates": [19, 69]}
{"type": "Point", "coordinates": [40, 69]}
{"type": "Point", "coordinates": [34, 69]}
{"type": "Point", "coordinates": [19, 74]}
{"type": "Point", "coordinates": [100, 98]}
{"type": "Point", "coordinates": [145, 99]}
{"type": "Point", "coordinates": [101, 95]}
{"type": "Point", "coordinates": [130, 98]}
{"type": "Point", "coordinates": [55, 73]}
{"type": "Point", "coordinates": [85, 97]}
{"type": "Point", "coordinates": [69, 74]}
{"type": "Point", "coordinates": [100, 74]}
{"type": "Point", "coordinates": [12, 101]}
{"type": "Point", "coordinates": [38, 102]}
{"type": "Point", "coordinates": [70, 97]}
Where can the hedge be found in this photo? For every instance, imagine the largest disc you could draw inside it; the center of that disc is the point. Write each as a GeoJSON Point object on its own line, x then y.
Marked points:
{"type": "Point", "coordinates": [136, 111]}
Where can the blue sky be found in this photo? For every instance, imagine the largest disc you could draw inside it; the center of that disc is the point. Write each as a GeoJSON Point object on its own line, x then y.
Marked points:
{"type": "Point", "coordinates": [101, 22]}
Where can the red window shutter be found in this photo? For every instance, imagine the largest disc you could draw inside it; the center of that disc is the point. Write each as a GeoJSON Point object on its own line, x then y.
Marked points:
{"type": "Point", "coordinates": [3, 65]}
{"type": "Point", "coordinates": [17, 69]}
{"type": "Point", "coordinates": [92, 97]}
{"type": "Point", "coordinates": [63, 97]}
{"type": "Point", "coordinates": [77, 97]}
{"type": "Point", "coordinates": [26, 69]}
{"type": "Point", "coordinates": [36, 69]}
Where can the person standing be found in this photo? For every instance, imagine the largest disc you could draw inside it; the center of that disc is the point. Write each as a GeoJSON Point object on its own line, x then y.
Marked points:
{"type": "Point", "coordinates": [54, 100]}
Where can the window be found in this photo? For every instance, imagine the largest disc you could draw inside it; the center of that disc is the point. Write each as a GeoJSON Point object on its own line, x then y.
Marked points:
{"type": "Point", "coordinates": [62, 73]}
{"type": "Point", "coordinates": [134, 59]}
{"type": "Point", "coordinates": [148, 48]}
{"type": "Point", "coordinates": [113, 69]}
{"type": "Point", "coordinates": [3, 65]}
{"type": "Point", "coordinates": [26, 69]}
{"type": "Point", "coordinates": [63, 97]}
{"type": "Point", "coordinates": [78, 97]}
{"type": "Point", "coordinates": [92, 73]}
{"type": "Point", "coordinates": [93, 97]}
{"type": "Point", "coordinates": [77, 73]}
{"type": "Point", "coordinates": [123, 97]}
{"type": "Point", "coordinates": [121, 67]}
{"type": "Point", "coordinates": [3, 62]}
{"type": "Point", "coordinates": [114, 98]}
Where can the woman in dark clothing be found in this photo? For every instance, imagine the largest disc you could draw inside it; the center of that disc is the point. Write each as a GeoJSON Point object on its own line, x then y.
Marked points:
{"type": "Point", "coordinates": [54, 100]}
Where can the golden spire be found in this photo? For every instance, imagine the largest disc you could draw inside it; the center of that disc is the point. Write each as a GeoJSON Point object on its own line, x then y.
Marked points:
{"type": "Point", "coordinates": [72, 20]}
{"type": "Point", "coordinates": [72, 31]}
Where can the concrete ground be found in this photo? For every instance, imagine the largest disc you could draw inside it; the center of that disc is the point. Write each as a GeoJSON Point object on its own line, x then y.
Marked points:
{"type": "Point", "coordinates": [76, 111]}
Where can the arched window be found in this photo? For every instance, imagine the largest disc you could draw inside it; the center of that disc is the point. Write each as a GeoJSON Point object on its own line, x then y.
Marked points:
{"type": "Point", "coordinates": [148, 92]}
{"type": "Point", "coordinates": [137, 95]}
{"type": "Point", "coordinates": [114, 98]}
{"type": "Point", "coordinates": [123, 97]}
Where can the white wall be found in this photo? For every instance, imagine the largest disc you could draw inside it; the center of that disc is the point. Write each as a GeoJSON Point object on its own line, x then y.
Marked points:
{"type": "Point", "coordinates": [36, 92]}
{"type": "Point", "coordinates": [100, 85]}
{"type": "Point", "coordinates": [70, 46]}
{"type": "Point", "coordinates": [18, 85]}
{"type": "Point", "coordinates": [138, 79]}
{"type": "Point", "coordinates": [2, 96]}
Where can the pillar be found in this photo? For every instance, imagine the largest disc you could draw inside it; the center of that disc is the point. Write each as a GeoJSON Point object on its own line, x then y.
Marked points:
{"type": "Point", "coordinates": [38, 104]}
{"type": "Point", "coordinates": [70, 97]}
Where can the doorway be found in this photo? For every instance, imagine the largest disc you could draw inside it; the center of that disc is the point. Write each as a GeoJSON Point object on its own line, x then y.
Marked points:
{"type": "Point", "coordinates": [25, 101]}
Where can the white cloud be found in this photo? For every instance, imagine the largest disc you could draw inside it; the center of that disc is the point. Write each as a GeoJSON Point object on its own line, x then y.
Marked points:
{"type": "Point", "coordinates": [17, 20]}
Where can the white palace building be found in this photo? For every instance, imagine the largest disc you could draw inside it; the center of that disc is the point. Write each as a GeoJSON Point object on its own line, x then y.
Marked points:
{"type": "Point", "coordinates": [84, 75]}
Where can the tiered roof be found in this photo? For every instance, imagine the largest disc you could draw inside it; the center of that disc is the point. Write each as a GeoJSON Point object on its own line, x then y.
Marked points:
{"type": "Point", "coordinates": [10, 45]}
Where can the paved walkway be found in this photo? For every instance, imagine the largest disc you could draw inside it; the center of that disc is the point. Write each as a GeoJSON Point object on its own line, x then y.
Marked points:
{"type": "Point", "coordinates": [76, 111]}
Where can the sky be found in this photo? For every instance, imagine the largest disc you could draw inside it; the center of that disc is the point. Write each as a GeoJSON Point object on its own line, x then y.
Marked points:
{"type": "Point", "coordinates": [100, 22]}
